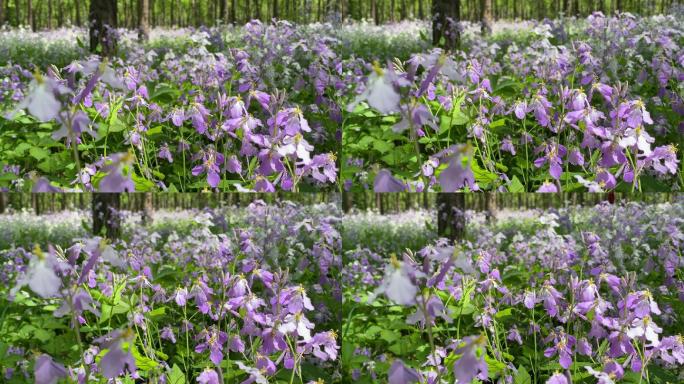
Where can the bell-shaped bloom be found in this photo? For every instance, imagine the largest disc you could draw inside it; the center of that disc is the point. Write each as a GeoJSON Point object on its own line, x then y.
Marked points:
{"type": "Point", "coordinates": [470, 365]}
{"type": "Point", "coordinates": [379, 93]}
{"type": "Point", "coordinates": [456, 175]}
{"type": "Point", "coordinates": [397, 284]}
{"type": "Point", "coordinates": [385, 182]}
{"type": "Point", "coordinates": [208, 376]}
{"type": "Point", "coordinates": [557, 378]}
{"type": "Point", "coordinates": [211, 161]}
{"type": "Point", "coordinates": [47, 371]}
{"type": "Point", "coordinates": [115, 361]}
{"type": "Point", "coordinates": [41, 100]}
{"type": "Point", "coordinates": [401, 374]}
{"type": "Point", "coordinates": [645, 327]}
{"type": "Point", "coordinates": [547, 187]}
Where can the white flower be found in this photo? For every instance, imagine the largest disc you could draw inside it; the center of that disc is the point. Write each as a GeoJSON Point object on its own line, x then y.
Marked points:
{"type": "Point", "coordinates": [397, 284]}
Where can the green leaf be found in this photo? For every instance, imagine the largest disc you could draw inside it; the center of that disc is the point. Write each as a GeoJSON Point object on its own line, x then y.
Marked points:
{"type": "Point", "coordinates": [522, 377]}
{"type": "Point", "coordinates": [515, 186]}
{"type": "Point", "coordinates": [504, 313]}
{"type": "Point", "coordinates": [142, 362]}
{"type": "Point", "coordinates": [176, 376]}
{"type": "Point", "coordinates": [497, 123]}
{"type": "Point", "coordinates": [154, 131]}
{"type": "Point", "coordinates": [382, 146]}
{"type": "Point", "coordinates": [39, 153]}
{"type": "Point", "coordinates": [389, 336]}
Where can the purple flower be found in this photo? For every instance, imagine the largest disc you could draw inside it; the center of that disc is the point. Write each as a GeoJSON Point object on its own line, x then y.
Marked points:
{"type": "Point", "coordinates": [547, 187]}
{"type": "Point", "coordinates": [520, 109]}
{"type": "Point", "coordinates": [167, 334]}
{"type": "Point", "coordinates": [455, 176]}
{"type": "Point", "coordinates": [401, 374]}
{"type": "Point", "coordinates": [181, 296]}
{"type": "Point", "coordinates": [385, 182]}
{"type": "Point", "coordinates": [563, 347]}
{"type": "Point", "coordinates": [177, 117]}
{"type": "Point", "coordinates": [114, 362]}
{"type": "Point", "coordinates": [208, 376]}
{"type": "Point", "coordinates": [507, 145]}
{"type": "Point", "coordinates": [211, 161]}
{"type": "Point", "coordinates": [214, 341]}
{"type": "Point", "coordinates": [644, 327]}
{"type": "Point", "coordinates": [469, 365]}
{"type": "Point", "coordinates": [557, 378]}
{"type": "Point", "coordinates": [165, 153]}
{"type": "Point", "coordinates": [47, 371]}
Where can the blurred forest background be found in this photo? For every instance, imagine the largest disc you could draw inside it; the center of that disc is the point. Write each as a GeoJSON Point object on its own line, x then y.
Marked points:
{"type": "Point", "coordinates": [48, 14]}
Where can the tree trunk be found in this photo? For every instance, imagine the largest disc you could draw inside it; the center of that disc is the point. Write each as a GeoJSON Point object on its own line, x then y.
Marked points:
{"type": "Point", "coordinates": [223, 14]}
{"type": "Point", "coordinates": [233, 8]}
{"type": "Point", "coordinates": [77, 6]}
{"type": "Point", "coordinates": [29, 15]}
{"type": "Point", "coordinates": [486, 16]}
{"type": "Point", "coordinates": [143, 20]}
{"type": "Point", "coordinates": [102, 17]}
{"type": "Point", "coordinates": [490, 205]}
{"type": "Point", "coordinates": [2, 13]}
{"type": "Point", "coordinates": [147, 209]}
{"type": "Point", "coordinates": [374, 12]}
{"type": "Point", "coordinates": [276, 14]}
{"type": "Point", "coordinates": [445, 18]}
{"type": "Point", "coordinates": [49, 18]}
{"type": "Point", "coordinates": [106, 218]}
{"type": "Point", "coordinates": [451, 215]}
{"type": "Point", "coordinates": [346, 201]}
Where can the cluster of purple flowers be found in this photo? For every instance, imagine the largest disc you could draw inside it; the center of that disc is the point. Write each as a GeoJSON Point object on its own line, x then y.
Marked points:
{"type": "Point", "coordinates": [554, 117]}
{"type": "Point", "coordinates": [242, 303]}
{"type": "Point", "coordinates": [226, 120]}
{"type": "Point", "coordinates": [592, 301]}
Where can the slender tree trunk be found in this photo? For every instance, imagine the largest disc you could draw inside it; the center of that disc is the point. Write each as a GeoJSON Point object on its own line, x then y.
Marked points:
{"type": "Point", "coordinates": [77, 6]}
{"type": "Point", "coordinates": [223, 11]}
{"type": "Point", "coordinates": [49, 18]}
{"type": "Point", "coordinates": [347, 202]}
{"type": "Point", "coordinates": [143, 20]}
{"type": "Point", "coordinates": [233, 9]}
{"type": "Point", "coordinates": [421, 10]}
{"type": "Point", "coordinates": [3, 202]}
{"type": "Point", "coordinates": [2, 13]}
{"type": "Point", "coordinates": [275, 9]}
{"type": "Point", "coordinates": [147, 209]}
{"type": "Point", "coordinates": [102, 17]}
{"type": "Point", "coordinates": [451, 215]}
{"type": "Point", "coordinates": [29, 15]}
{"type": "Point", "coordinates": [106, 218]}
{"type": "Point", "coordinates": [486, 17]}
{"type": "Point", "coordinates": [374, 11]}
{"type": "Point", "coordinates": [445, 18]}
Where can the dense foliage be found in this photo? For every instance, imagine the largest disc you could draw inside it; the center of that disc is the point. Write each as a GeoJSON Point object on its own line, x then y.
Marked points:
{"type": "Point", "coordinates": [578, 295]}
{"type": "Point", "coordinates": [188, 116]}
{"type": "Point", "coordinates": [238, 295]}
{"type": "Point", "coordinates": [562, 105]}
